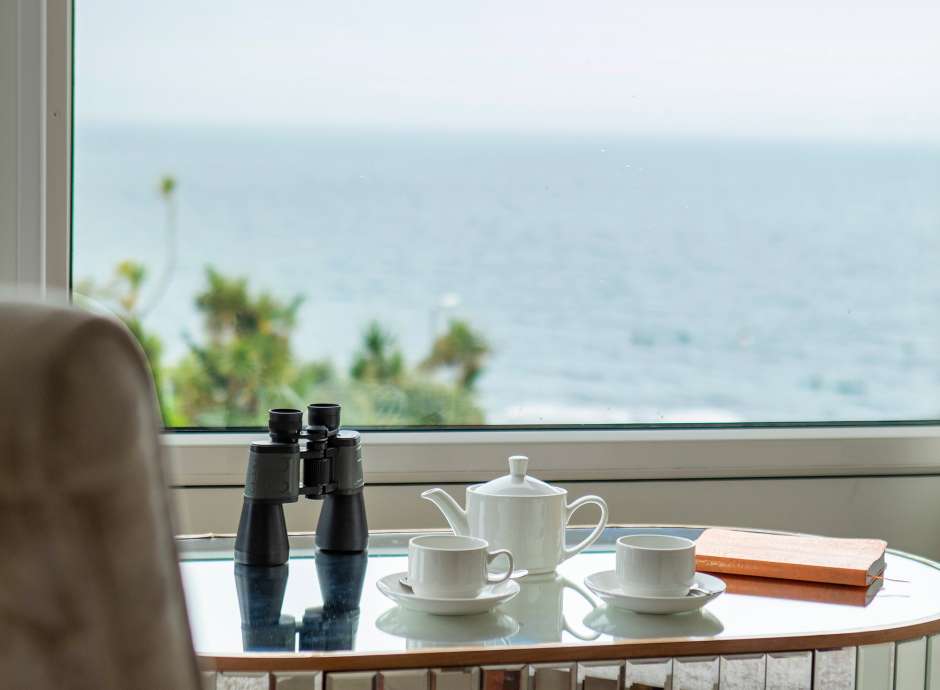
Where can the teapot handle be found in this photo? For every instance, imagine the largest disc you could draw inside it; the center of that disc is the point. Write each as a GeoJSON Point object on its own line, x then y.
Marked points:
{"type": "Point", "coordinates": [593, 536]}
{"type": "Point", "coordinates": [591, 634]}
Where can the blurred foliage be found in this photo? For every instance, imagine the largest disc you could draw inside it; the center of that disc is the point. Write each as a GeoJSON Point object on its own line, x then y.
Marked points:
{"type": "Point", "coordinates": [242, 363]}
{"type": "Point", "coordinates": [462, 349]}
{"type": "Point", "coordinates": [122, 294]}
{"type": "Point", "coordinates": [167, 186]}
{"type": "Point", "coordinates": [245, 364]}
{"type": "Point", "coordinates": [378, 360]}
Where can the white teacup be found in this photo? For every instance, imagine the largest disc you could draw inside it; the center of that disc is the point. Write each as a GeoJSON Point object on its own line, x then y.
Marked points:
{"type": "Point", "coordinates": [655, 565]}
{"type": "Point", "coordinates": [450, 566]}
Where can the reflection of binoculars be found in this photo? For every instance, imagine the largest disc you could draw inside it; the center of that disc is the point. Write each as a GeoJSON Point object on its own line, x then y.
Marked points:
{"type": "Point", "coordinates": [332, 626]}
{"type": "Point", "coordinates": [332, 471]}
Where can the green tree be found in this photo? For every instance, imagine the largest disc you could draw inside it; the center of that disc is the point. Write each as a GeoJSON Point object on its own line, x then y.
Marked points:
{"type": "Point", "coordinates": [245, 364]}
{"type": "Point", "coordinates": [378, 360]}
{"type": "Point", "coordinates": [428, 403]}
{"type": "Point", "coordinates": [122, 295]}
{"type": "Point", "coordinates": [383, 391]}
{"type": "Point", "coordinates": [462, 349]}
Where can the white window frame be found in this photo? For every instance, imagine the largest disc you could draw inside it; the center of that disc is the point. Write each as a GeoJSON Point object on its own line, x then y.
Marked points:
{"type": "Point", "coordinates": [38, 100]}
{"type": "Point", "coordinates": [414, 457]}
{"type": "Point", "coordinates": [43, 167]}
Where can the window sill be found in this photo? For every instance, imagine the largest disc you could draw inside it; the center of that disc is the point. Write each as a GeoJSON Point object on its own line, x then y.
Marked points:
{"type": "Point", "coordinates": [460, 457]}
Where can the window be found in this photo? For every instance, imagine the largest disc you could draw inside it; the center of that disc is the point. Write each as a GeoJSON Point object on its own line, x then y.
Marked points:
{"type": "Point", "coordinates": [469, 214]}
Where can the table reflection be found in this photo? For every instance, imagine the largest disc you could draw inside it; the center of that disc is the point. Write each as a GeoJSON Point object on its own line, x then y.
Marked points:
{"type": "Point", "coordinates": [539, 609]}
{"type": "Point", "coordinates": [329, 627]}
{"type": "Point", "coordinates": [626, 625]}
{"type": "Point", "coordinates": [424, 630]}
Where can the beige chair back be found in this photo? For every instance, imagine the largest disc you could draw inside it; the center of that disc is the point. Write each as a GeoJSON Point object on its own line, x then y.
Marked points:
{"type": "Point", "coordinates": [90, 593]}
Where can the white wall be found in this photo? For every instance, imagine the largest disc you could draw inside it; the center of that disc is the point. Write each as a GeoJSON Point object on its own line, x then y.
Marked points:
{"type": "Point", "coordinates": [8, 114]}
{"type": "Point", "coordinates": [905, 511]}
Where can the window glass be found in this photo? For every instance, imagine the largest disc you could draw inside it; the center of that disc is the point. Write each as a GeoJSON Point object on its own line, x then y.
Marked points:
{"type": "Point", "coordinates": [446, 213]}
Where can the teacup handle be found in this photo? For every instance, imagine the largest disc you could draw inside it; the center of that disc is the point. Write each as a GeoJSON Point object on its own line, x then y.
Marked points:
{"type": "Point", "coordinates": [492, 556]}
{"type": "Point", "coordinates": [593, 536]}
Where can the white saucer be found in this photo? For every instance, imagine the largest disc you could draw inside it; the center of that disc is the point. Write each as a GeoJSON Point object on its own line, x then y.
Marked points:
{"type": "Point", "coordinates": [491, 597]}
{"type": "Point", "coordinates": [607, 587]}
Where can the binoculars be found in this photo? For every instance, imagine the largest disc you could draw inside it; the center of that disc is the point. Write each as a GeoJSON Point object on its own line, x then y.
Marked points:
{"type": "Point", "coordinates": [329, 461]}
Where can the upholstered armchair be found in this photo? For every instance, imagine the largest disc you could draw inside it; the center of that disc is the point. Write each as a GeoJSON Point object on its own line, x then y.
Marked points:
{"type": "Point", "coordinates": [90, 593]}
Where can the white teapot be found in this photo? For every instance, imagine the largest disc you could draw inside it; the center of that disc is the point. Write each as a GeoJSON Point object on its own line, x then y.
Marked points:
{"type": "Point", "coordinates": [519, 513]}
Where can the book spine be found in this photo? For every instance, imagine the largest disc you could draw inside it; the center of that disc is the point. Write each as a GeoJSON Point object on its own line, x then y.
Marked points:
{"type": "Point", "coordinates": [821, 592]}
{"type": "Point", "coordinates": [784, 571]}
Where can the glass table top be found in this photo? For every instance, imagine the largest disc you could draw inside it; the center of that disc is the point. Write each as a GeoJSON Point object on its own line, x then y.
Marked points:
{"type": "Point", "coordinates": [330, 602]}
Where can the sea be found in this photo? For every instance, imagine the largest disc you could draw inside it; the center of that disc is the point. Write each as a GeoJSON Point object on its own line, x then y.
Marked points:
{"type": "Point", "coordinates": [616, 278]}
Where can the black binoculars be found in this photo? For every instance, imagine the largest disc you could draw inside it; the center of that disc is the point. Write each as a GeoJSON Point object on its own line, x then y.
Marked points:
{"type": "Point", "coordinates": [331, 462]}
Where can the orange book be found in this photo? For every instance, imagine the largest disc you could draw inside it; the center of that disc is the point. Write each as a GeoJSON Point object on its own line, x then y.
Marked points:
{"type": "Point", "coordinates": [821, 592]}
{"type": "Point", "coordinates": [791, 557]}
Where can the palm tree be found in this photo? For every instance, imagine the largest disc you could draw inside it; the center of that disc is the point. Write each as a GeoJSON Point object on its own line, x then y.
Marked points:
{"type": "Point", "coordinates": [378, 360]}
{"type": "Point", "coordinates": [460, 348]}
{"type": "Point", "coordinates": [167, 190]}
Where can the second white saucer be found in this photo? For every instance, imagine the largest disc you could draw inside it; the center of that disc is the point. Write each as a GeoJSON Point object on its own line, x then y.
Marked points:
{"type": "Point", "coordinates": [607, 587]}
{"type": "Point", "coordinates": [491, 597]}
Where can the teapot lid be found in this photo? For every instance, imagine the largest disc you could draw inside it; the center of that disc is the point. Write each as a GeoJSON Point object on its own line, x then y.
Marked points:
{"type": "Point", "coordinates": [517, 482]}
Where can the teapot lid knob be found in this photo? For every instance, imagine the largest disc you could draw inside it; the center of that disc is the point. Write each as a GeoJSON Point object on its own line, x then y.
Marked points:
{"type": "Point", "coordinates": [518, 464]}
{"type": "Point", "coordinates": [517, 482]}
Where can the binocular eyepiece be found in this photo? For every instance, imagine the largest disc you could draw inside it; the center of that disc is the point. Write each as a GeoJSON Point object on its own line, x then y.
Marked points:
{"type": "Point", "coordinates": [286, 425]}
{"type": "Point", "coordinates": [331, 460]}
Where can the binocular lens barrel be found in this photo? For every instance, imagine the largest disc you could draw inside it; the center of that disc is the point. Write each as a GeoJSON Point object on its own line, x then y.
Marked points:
{"type": "Point", "coordinates": [323, 414]}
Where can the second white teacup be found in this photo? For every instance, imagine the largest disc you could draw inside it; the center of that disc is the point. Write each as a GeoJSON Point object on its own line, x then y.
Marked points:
{"type": "Point", "coordinates": [655, 565]}
{"type": "Point", "coordinates": [450, 566]}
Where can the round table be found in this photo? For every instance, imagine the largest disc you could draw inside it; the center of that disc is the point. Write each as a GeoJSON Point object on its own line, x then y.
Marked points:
{"type": "Point", "coordinates": [322, 612]}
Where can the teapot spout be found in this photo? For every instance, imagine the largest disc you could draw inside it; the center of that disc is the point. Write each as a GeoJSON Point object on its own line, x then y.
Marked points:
{"type": "Point", "coordinates": [455, 515]}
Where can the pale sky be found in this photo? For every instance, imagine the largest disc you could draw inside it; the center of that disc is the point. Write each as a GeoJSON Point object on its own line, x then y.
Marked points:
{"type": "Point", "coordinates": [824, 68]}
